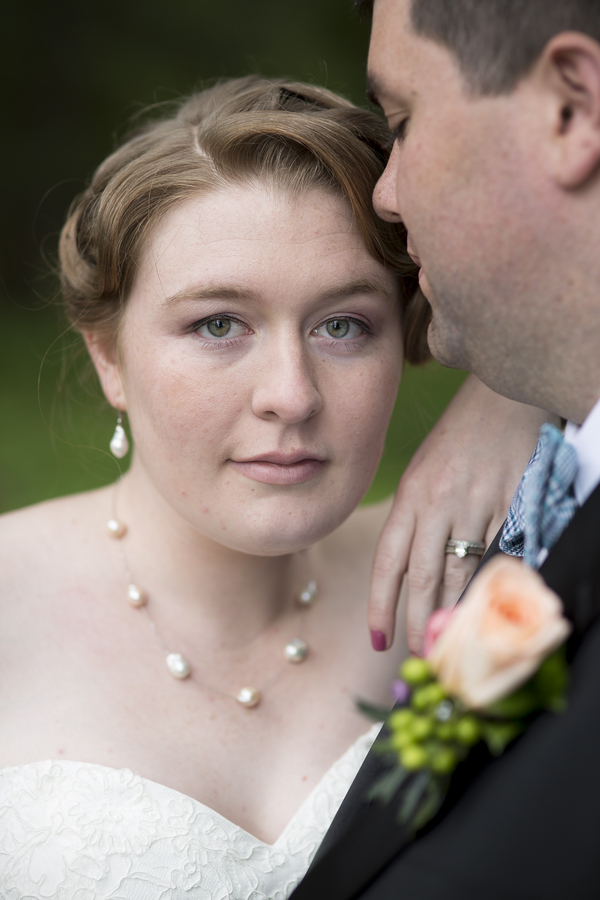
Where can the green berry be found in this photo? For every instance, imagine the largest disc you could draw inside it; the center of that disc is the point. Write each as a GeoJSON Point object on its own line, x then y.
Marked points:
{"type": "Point", "coordinates": [445, 731]}
{"type": "Point", "coordinates": [467, 730]}
{"type": "Point", "coordinates": [421, 727]}
{"type": "Point", "coordinates": [400, 718]}
{"type": "Point", "coordinates": [415, 670]}
{"type": "Point", "coordinates": [413, 758]}
{"type": "Point", "coordinates": [401, 739]}
{"type": "Point", "coordinates": [436, 693]}
{"type": "Point", "coordinates": [443, 761]}
{"type": "Point", "coordinates": [420, 699]}
{"type": "Point", "coordinates": [428, 696]}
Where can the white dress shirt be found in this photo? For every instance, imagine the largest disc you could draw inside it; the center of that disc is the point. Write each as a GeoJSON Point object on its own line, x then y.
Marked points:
{"type": "Point", "coordinates": [586, 441]}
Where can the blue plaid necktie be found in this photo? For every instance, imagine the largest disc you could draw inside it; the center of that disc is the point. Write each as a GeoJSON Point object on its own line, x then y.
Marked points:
{"type": "Point", "coordinates": [544, 502]}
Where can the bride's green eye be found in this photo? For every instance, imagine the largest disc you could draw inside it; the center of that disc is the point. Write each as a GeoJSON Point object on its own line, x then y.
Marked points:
{"type": "Point", "coordinates": [338, 328]}
{"type": "Point", "coordinates": [219, 327]}
{"type": "Point", "coordinates": [342, 329]}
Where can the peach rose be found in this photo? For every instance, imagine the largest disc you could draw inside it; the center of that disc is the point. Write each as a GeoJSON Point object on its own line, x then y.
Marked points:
{"type": "Point", "coordinates": [507, 624]}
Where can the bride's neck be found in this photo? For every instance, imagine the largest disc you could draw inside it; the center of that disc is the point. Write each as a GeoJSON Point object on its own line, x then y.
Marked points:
{"type": "Point", "coordinates": [235, 596]}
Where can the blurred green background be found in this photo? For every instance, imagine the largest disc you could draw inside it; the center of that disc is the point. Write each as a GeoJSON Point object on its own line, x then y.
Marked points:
{"type": "Point", "coordinates": [73, 75]}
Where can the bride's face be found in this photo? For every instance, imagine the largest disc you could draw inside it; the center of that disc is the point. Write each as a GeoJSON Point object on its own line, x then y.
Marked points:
{"type": "Point", "coordinates": [259, 359]}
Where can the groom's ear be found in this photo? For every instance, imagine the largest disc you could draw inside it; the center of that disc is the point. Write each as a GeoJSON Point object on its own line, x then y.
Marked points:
{"type": "Point", "coordinates": [569, 73]}
{"type": "Point", "coordinates": [107, 365]}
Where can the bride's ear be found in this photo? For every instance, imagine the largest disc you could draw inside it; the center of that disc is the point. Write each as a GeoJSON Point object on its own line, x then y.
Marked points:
{"type": "Point", "coordinates": [106, 363]}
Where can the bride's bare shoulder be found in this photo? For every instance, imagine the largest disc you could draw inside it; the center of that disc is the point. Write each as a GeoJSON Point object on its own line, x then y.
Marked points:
{"type": "Point", "coordinates": [60, 509]}
{"type": "Point", "coordinates": [35, 536]}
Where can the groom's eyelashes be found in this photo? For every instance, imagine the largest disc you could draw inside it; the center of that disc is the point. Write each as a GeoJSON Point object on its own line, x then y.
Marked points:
{"type": "Point", "coordinates": [398, 134]}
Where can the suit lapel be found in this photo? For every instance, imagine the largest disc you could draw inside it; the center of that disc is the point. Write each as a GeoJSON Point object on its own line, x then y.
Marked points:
{"type": "Point", "coordinates": [355, 804]}
{"type": "Point", "coordinates": [367, 844]}
{"type": "Point", "coordinates": [572, 563]}
{"type": "Point", "coordinates": [365, 836]}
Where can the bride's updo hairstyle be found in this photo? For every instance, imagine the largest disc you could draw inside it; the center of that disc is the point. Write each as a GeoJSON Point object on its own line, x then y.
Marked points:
{"type": "Point", "coordinates": [285, 134]}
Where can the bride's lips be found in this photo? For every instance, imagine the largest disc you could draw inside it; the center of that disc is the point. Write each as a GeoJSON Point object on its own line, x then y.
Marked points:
{"type": "Point", "coordinates": [280, 468]}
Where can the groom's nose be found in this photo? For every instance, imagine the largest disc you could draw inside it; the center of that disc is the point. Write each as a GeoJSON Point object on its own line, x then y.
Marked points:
{"type": "Point", "coordinates": [385, 195]}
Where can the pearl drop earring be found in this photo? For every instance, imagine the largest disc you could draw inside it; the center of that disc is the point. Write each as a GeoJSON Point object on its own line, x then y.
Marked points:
{"type": "Point", "coordinates": [119, 445]}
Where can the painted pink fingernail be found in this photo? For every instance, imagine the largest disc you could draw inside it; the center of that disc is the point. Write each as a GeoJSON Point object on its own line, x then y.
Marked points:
{"type": "Point", "coordinates": [378, 640]}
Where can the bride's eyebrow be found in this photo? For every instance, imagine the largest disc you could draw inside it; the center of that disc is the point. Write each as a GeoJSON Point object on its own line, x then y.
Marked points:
{"type": "Point", "coordinates": [359, 286]}
{"type": "Point", "coordinates": [211, 292]}
{"type": "Point", "coordinates": [345, 290]}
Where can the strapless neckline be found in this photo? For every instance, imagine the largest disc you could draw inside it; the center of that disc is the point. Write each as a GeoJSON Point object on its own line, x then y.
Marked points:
{"type": "Point", "coordinates": [83, 829]}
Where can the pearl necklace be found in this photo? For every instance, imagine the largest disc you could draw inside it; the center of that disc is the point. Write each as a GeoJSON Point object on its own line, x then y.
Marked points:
{"type": "Point", "coordinates": [295, 651]}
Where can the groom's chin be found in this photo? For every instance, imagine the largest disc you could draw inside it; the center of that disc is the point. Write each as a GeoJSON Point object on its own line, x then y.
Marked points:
{"type": "Point", "coordinates": [445, 346]}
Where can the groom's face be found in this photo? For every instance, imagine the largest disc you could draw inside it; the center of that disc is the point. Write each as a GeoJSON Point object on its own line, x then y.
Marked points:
{"type": "Point", "coordinates": [458, 177]}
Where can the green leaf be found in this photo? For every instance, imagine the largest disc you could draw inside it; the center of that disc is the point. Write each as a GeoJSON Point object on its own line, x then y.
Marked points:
{"type": "Point", "coordinates": [551, 681]}
{"type": "Point", "coordinates": [498, 734]}
{"type": "Point", "coordinates": [545, 690]}
{"type": "Point", "coordinates": [516, 706]}
{"type": "Point", "coordinates": [385, 788]}
{"type": "Point", "coordinates": [372, 711]}
{"type": "Point", "coordinates": [556, 704]}
{"type": "Point", "coordinates": [385, 747]}
{"type": "Point", "coordinates": [411, 798]}
{"type": "Point", "coordinates": [433, 799]}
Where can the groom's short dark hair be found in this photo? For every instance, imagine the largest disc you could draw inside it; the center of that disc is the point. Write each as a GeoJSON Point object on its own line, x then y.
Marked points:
{"type": "Point", "coordinates": [496, 42]}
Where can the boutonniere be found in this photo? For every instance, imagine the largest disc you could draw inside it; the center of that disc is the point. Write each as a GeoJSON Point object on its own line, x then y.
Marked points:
{"type": "Point", "coordinates": [490, 665]}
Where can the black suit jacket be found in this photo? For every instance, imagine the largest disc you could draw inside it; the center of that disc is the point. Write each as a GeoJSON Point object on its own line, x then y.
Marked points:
{"type": "Point", "coordinates": [520, 827]}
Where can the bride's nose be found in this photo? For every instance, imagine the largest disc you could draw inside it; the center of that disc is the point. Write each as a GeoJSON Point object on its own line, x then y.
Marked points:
{"type": "Point", "coordinates": [285, 386]}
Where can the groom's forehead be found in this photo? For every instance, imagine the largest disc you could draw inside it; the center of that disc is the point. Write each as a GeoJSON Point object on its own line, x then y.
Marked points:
{"type": "Point", "coordinates": [401, 63]}
{"type": "Point", "coordinates": [390, 33]}
{"type": "Point", "coordinates": [390, 53]}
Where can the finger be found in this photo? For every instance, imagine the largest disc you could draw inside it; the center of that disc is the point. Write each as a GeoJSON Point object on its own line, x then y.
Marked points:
{"type": "Point", "coordinates": [459, 571]}
{"type": "Point", "coordinates": [457, 574]}
{"type": "Point", "coordinates": [494, 527]}
{"type": "Point", "coordinates": [425, 572]}
{"type": "Point", "coordinates": [389, 566]}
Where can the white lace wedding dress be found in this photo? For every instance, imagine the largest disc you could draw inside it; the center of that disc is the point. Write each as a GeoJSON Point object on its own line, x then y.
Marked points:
{"type": "Point", "coordinates": [78, 831]}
